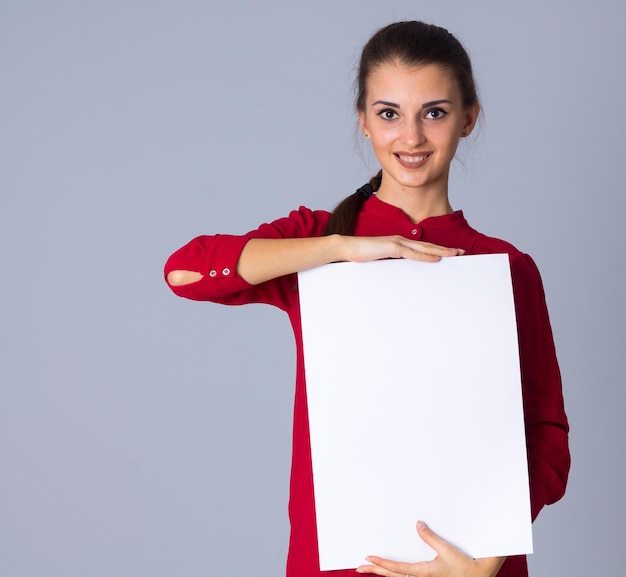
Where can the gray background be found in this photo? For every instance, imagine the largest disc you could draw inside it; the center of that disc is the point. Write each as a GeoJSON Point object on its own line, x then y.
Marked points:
{"type": "Point", "coordinates": [145, 435]}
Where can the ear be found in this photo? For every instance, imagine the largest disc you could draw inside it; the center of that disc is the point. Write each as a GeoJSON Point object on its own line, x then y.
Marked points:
{"type": "Point", "coordinates": [362, 122]}
{"type": "Point", "coordinates": [471, 116]}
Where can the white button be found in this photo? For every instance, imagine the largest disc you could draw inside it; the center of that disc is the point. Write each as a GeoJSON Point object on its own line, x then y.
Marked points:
{"type": "Point", "coordinates": [226, 272]}
{"type": "Point", "coordinates": [212, 273]}
{"type": "Point", "coordinates": [414, 231]}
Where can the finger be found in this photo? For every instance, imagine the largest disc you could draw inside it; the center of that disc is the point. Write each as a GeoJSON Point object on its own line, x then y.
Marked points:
{"type": "Point", "coordinates": [410, 254]}
{"type": "Point", "coordinates": [376, 570]}
{"type": "Point", "coordinates": [438, 250]}
{"type": "Point", "coordinates": [441, 546]}
{"type": "Point", "coordinates": [429, 248]}
{"type": "Point", "coordinates": [399, 247]}
{"type": "Point", "coordinates": [386, 567]}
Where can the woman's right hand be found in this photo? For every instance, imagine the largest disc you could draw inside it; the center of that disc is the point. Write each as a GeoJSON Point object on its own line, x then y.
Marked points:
{"type": "Point", "coordinates": [368, 248]}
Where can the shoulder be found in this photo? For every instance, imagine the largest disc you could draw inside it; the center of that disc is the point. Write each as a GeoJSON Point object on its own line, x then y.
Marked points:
{"type": "Point", "coordinates": [522, 264]}
{"type": "Point", "coordinates": [523, 267]}
{"type": "Point", "coordinates": [481, 243]}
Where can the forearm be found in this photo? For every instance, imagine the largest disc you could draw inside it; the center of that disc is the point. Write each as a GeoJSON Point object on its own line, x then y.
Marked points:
{"type": "Point", "coordinates": [263, 259]}
{"type": "Point", "coordinates": [549, 463]}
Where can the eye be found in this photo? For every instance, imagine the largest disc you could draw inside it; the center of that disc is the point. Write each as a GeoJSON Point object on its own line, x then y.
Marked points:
{"type": "Point", "coordinates": [387, 114]}
{"type": "Point", "coordinates": [436, 113]}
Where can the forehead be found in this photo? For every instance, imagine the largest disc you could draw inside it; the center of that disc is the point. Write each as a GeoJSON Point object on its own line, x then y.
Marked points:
{"type": "Point", "coordinates": [407, 83]}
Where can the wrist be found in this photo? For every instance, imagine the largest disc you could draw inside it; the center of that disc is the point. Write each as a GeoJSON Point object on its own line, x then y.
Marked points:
{"type": "Point", "coordinates": [338, 248]}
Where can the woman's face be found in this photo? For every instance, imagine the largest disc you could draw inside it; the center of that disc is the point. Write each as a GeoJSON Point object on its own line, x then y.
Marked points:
{"type": "Point", "coordinates": [414, 117]}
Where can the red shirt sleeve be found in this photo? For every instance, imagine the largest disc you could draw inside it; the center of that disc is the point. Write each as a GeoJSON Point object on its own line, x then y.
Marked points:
{"type": "Point", "coordinates": [215, 258]}
{"type": "Point", "coordinates": [546, 423]}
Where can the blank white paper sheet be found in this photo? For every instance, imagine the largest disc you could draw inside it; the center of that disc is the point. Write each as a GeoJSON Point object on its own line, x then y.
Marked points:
{"type": "Point", "coordinates": [415, 408]}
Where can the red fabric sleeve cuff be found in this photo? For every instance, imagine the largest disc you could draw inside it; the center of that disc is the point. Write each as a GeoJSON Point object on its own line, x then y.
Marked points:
{"type": "Point", "coordinates": [215, 258]}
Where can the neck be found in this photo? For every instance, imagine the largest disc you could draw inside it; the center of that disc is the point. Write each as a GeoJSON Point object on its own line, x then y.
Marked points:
{"type": "Point", "coordinates": [417, 202]}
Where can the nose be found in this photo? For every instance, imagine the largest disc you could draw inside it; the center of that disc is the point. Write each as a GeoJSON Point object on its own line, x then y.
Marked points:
{"type": "Point", "coordinates": [413, 133]}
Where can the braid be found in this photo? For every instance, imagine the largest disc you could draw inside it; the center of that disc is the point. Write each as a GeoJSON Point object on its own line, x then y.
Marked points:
{"type": "Point", "coordinates": [343, 218]}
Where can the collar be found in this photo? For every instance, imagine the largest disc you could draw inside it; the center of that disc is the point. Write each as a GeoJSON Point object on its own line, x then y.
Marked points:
{"type": "Point", "coordinates": [381, 209]}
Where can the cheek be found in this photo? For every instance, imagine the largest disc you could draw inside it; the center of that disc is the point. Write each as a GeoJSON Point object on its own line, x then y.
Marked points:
{"type": "Point", "coordinates": [382, 144]}
{"type": "Point", "coordinates": [447, 137]}
{"type": "Point", "coordinates": [384, 134]}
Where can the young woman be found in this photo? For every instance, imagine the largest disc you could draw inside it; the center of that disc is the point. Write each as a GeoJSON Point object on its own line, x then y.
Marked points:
{"type": "Point", "coordinates": [416, 99]}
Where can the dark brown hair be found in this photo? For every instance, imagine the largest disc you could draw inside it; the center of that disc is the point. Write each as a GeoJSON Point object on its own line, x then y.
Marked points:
{"type": "Point", "coordinates": [413, 44]}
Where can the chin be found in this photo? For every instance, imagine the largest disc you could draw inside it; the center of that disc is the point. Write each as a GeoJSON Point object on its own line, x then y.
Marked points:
{"type": "Point", "coordinates": [413, 183]}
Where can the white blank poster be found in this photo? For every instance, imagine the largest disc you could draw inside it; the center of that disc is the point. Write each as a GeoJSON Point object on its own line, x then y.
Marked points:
{"type": "Point", "coordinates": [415, 408]}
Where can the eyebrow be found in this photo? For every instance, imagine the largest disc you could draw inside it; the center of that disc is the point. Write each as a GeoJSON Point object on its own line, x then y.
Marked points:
{"type": "Point", "coordinates": [425, 105]}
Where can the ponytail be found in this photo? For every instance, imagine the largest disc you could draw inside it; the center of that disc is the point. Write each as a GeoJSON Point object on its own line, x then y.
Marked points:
{"type": "Point", "coordinates": [343, 218]}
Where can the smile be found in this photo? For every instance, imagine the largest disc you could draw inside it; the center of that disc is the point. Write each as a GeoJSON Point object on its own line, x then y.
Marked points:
{"type": "Point", "coordinates": [415, 159]}
{"type": "Point", "coordinates": [412, 160]}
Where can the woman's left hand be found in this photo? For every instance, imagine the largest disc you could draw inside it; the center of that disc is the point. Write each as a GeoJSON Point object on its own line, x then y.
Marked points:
{"type": "Point", "coordinates": [449, 562]}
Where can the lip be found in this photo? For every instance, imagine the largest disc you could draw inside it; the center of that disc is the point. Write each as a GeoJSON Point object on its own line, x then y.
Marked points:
{"type": "Point", "coordinates": [412, 159]}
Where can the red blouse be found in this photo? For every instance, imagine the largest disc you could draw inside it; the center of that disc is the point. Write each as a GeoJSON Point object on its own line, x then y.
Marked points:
{"type": "Point", "coordinates": [215, 257]}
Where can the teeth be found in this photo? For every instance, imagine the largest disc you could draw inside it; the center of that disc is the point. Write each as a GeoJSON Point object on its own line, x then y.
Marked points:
{"type": "Point", "coordinates": [413, 159]}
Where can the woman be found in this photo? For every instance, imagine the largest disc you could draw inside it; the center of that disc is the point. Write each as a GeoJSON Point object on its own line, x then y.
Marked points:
{"type": "Point", "coordinates": [416, 99]}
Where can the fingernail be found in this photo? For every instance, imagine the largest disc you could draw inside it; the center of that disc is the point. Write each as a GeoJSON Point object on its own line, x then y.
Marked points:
{"type": "Point", "coordinates": [421, 525]}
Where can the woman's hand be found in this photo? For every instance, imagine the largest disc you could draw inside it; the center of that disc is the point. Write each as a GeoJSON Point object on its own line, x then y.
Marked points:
{"type": "Point", "coordinates": [449, 562]}
{"type": "Point", "coordinates": [367, 248]}
{"type": "Point", "coordinates": [263, 259]}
